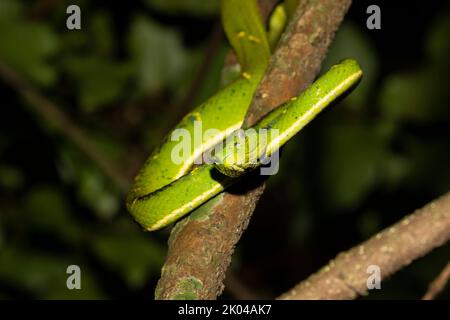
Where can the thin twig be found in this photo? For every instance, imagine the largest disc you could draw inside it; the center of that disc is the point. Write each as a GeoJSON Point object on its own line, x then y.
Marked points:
{"type": "Point", "coordinates": [438, 284]}
{"type": "Point", "coordinates": [346, 276]}
{"type": "Point", "coordinates": [54, 115]}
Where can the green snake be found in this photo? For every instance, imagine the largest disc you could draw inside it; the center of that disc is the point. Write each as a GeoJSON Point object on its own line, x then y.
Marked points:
{"type": "Point", "coordinates": [163, 191]}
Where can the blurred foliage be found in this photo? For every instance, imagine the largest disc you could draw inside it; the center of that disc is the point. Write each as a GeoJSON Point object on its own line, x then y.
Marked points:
{"type": "Point", "coordinates": [193, 7]}
{"type": "Point", "coordinates": [156, 67]}
{"type": "Point", "coordinates": [351, 41]}
{"type": "Point", "coordinates": [124, 78]}
{"type": "Point", "coordinates": [26, 44]}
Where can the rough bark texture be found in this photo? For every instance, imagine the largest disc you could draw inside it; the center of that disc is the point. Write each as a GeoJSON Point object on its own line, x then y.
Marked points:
{"type": "Point", "coordinates": [346, 276]}
{"type": "Point", "coordinates": [200, 250]}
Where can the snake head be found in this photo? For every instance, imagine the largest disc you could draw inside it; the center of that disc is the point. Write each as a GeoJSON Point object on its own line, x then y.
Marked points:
{"type": "Point", "coordinates": [237, 155]}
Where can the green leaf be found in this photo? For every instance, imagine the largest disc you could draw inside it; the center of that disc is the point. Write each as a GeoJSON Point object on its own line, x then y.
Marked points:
{"type": "Point", "coordinates": [10, 10]}
{"type": "Point", "coordinates": [27, 47]}
{"type": "Point", "coordinates": [11, 178]}
{"type": "Point", "coordinates": [397, 168]}
{"type": "Point", "coordinates": [44, 275]}
{"type": "Point", "coordinates": [415, 95]}
{"type": "Point", "coordinates": [158, 55]}
{"type": "Point", "coordinates": [47, 211]}
{"type": "Point", "coordinates": [134, 257]}
{"type": "Point", "coordinates": [99, 81]}
{"type": "Point", "coordinates": [351, 42]}
{"type": "Point", "coordinates": [94, 190]}
{"type": "Point", "coordinates": [102, 33]}
{"type": "Point", "coordinates": [438, 39]}
{"type": "Point", "coordinates": [351, 163]}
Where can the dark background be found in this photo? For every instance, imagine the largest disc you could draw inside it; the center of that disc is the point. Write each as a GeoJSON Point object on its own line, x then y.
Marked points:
{"type": "Point", "coordinates": [129, 75]}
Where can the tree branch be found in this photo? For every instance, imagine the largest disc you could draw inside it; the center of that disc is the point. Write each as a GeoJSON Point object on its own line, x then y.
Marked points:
{"type": "Point", "coordinates": [54, 115]}
{"type": "Point", "coordinates": [201, 246]}
{"type": "Point", "coordinates": [438, 284]}
{"type": "Point", "coordinates": [345, 277]}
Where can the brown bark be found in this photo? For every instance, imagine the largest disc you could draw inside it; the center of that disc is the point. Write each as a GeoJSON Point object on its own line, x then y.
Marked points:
{"type": "Point", "coordinates": [345, 277]}
{"type": "Point", "coordinates": [438, 284]}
